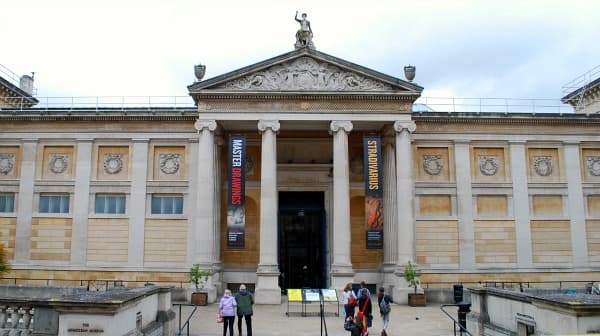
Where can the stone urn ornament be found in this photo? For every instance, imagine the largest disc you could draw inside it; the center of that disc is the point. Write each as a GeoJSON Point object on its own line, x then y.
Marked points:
{"type": "Point", "coordinates": [199, 71]}
{"type": "Point", "coordinates": [409, 72]}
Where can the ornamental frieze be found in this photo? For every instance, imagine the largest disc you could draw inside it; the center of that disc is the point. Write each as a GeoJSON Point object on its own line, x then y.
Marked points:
{"type": "Point", "coordinates": [7, 163]}
{"type": "Point", "coordinates": [58, 163]}
{"type": "Point", "coordinates": [169, 163]}
{"type": "Point", "coordinates": [432, 164]}
{"type": "Point", "coordinates": [593, 165]}
{"type": "Point", "coordinates": [542, 165]}
{"type": "Point", "coordinates": [305, 74]}
{"type": "Point", "coordinates": [488, 165]}
{"type": "Point", "coordinates": [113, 163]}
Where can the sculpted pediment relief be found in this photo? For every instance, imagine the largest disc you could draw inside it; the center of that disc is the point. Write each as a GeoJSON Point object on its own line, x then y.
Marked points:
{"type": "Point", "coordinates": [304, 74]}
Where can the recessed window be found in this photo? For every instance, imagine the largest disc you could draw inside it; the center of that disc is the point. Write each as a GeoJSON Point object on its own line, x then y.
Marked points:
{"type": "Point", "coordinates": [7, 202]}
{"type": "Point", "coordinates": [54, 203]}
{"type": "Point", "coordinates": [167, 205]}
{"type": "Point", "coordinates": [110, 204]}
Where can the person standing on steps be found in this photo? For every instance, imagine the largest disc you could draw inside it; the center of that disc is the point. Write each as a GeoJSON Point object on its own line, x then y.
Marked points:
{"type": "Point", "coordinates": [245, 300]}
{"type": "Point", "coordinates": [227, 308]}
{"type": "Point", "coordinates": [384, 301]}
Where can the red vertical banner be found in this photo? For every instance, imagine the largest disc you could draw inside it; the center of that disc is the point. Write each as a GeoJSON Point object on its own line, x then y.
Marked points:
{"type": "Point", "coordinates": [236, 174]}
{"type": "Point", "coordinates": [373, 191]}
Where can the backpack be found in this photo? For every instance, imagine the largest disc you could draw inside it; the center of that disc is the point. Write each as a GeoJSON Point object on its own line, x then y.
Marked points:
{"type": "Point", "coordinates": [384, 306]}
{"type": "Point", "coordinates": [352, 300]}
{"type": "Point", "coordinates": [244, 304]}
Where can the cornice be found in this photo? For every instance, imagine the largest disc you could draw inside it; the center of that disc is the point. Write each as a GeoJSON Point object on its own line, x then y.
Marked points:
{"type": "Point", "coordinates": [266, 96]}
{"type": "Point", "coordinates": [509, 119]}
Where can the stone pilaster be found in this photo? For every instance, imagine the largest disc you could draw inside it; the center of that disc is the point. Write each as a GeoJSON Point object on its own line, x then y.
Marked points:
{"type": "Point", "coordinates": [518, 168]}
{"type": "Point", "coordinates": [390, 221]}
{"type": "Point", "coordinates": [267, 287]}
{"type": "Point", "coordinates": [405, 199]}
{"type": "Point", "coordinates": [464, 196]}
{"type": "Point", "coordinates": [217, 265]}
{"type": "Point", "coordinates": [137, 207]}
{"type": "Point", "coordinates": [25, 197]}
{"type": "Point", "coordinates": [81, 202]}
{"type": "Point", "coordinates": [204, 230]}
{"type": "Point", "coordinates": [576, 204]}
{"type": "Point", "coordinates": [341, 268]}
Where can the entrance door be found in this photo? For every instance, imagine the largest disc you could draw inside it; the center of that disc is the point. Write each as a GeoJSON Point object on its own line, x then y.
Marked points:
{"type": "Point", "coordinates": [301, 239]}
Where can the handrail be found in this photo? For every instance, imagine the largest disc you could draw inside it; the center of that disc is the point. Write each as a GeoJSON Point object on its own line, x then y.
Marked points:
{"type": "Point", "coordinates": [461, 327]}
{"type": "Point", "coordinates": [507, 283]}
{"type": "Point", "coordinates": [187, 322]}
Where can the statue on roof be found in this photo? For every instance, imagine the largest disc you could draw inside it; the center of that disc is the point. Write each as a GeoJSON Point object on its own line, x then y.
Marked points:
{"type": "Point", "coordinates": [304, 34]}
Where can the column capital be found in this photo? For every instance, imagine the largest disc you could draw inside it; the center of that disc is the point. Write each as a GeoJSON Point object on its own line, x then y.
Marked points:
{"type": "Point", "coordinates": [462, 141]}
{"type": "Point", "coordinates": [409, 126]}
{"type": "Point", "coordinates": [337, 125]}
{"type": "Point", "coordinates": [517, 142]}
{"type": "Point", "coordinates": [263, 125]}
{"type": "Point", "coordinates": [200, 125]}
{"type": "Point", "coordinates": [571, 142]}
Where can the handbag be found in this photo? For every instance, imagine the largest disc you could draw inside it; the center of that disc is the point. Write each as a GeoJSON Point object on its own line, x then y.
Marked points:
{"type": "Point", "coordinates": [219, 318]}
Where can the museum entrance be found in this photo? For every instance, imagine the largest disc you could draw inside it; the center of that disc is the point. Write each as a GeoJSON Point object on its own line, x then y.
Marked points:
{"type": "Point", "coordinates": [302, 238]}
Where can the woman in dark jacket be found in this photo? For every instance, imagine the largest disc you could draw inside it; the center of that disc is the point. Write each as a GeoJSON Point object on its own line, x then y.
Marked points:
{"type": "Point", "coordinates": [365, 310]}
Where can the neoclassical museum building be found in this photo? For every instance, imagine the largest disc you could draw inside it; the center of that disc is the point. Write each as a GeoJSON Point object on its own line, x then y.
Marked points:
{"type": "Point", "coordinates": [303, 170]}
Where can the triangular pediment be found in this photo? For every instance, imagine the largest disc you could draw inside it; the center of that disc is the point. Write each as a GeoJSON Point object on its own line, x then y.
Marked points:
{"type": "Point", "coordinates": [305, 70]}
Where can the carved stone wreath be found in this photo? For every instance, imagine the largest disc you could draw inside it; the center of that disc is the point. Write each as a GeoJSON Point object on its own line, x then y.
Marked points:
{"type": "Point", "coordinates": [58, 163]}
{"type": "Point", "coordinates": [7, 163]}
{"type": "Point", "coordinates": [593, 165]}
{"type": "Point", "coordinates": [542, 165]}
{"type": "Point", "coordinates": [113, 163]}
{"type": "Point", "coordinates": [488, 165]}
{"type": "Point", "coordinates": [169, 163]}
{"type": "Point", "coordinates": [432, 164]}
{"type": "Point", "coordinates": [305, 73]}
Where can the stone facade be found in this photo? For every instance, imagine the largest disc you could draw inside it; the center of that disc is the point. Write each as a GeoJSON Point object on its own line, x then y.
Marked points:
{"type": "Point", "coordinates": [469, 197]}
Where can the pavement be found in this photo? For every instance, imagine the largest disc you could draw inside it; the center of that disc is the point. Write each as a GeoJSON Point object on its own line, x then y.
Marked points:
{"type": "Point", "coordinates": [273, 320]}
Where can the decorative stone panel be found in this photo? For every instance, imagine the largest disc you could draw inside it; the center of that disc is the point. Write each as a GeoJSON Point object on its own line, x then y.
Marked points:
{"type": "Point", "coordinates": [590, 163]}
{"type": "Point", "coordinates": [433, 164]}
{"type": "Point", "coordinates": [489, 164]}
{"type": "Point", "coordinates": [7, 163]}
{"type": "Point", "coordinates": [112, 163]}
{"type": "Point", "coordinates": [58, 162]}
{"type": "Point", "coordinates": [169, 162]}
{"type": "Point", "coordinates": [544, 165]}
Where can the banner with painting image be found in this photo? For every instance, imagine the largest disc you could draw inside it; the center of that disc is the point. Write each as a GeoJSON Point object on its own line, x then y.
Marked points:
{"type": "Point", "coordinates": [373, 191]}
{"type": "Point", "coordinates": [236, 175]}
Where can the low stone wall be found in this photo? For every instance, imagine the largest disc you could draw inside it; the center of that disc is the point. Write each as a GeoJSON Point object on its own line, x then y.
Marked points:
{"type": "Point", "coordinates": [505, 312]}
{"type": "Point", "coordinates": [75, 311]}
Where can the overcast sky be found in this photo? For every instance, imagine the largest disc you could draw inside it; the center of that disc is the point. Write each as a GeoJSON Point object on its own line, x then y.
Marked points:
{"type": "Point", "coordinates": [517, 49]}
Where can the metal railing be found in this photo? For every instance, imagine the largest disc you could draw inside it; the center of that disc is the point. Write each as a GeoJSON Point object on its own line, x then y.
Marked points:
{"type": "Point", "coordinates": [91, 103]}
{"type": "Point", "coordinates": [495, 105]}
{"type": "Point", "coordinates": [461, 328]}
{"type": "Point", "coordinates": [422, 105]}
{"type": "Point", "coordinates": [581, 80]}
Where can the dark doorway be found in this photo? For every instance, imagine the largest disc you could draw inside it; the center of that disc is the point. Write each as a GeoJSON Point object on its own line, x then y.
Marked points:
{"type": "Point", "coordinates": [302, 239]}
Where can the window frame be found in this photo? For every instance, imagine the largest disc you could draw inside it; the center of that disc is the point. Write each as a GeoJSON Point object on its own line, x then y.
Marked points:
{"type": "Point", "coordinates": [62, 196]}
{"type": "Point", "coordinates": [106, 197]}
{"type": "Point", "coordinates": [3, 206]}
{"type": "Point", "coordinates": [163, 206]}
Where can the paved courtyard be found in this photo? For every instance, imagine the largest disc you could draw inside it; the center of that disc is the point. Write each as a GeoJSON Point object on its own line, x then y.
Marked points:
{"type": "Point", "coordinates": [272, 320]}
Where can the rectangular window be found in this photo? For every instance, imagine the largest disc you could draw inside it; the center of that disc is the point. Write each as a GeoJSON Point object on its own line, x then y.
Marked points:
{"type": "Point", "coordinates": [167, 205]}
{"type": "Point", "coordinates": [110, 204]}
{"type": "Point", "coordinates": [7, 202]}
{"type": "Point", "coordinates": [54, 203]}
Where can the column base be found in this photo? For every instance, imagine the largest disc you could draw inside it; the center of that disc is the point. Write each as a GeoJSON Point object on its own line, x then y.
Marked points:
{"type": "Point", "coordinates": [267, 289]}
{"type": "Point", "coordinates": [389, 276]}
{"type": "Point", "coordinates": [341, 275]}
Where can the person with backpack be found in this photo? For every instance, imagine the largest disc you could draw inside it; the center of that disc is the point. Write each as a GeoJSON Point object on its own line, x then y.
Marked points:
{"type": "Point", "coordinates": [385, 308]}
{"type": "Point", "coordinates": [244, 300]}
{"type": "Point", "coordinates": [227, 310]}
{"type": "Point", "coordinates": [349, 301]}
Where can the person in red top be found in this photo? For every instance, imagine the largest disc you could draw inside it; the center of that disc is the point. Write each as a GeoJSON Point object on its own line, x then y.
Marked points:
{"type": "Point", "coordinates": [365, 310]}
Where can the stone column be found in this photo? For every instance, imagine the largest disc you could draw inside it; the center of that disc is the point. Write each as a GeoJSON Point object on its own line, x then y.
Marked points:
{"type": "Point", "coordinates": [217, 266]}
{"type": "Point", "coordinates": [518, 168]}
{"type": "Point", "coordinates": [576, 204]}
{"type": "Point", "coordinates": [137, 200]}
{"type": "Point", "coordinates": [25, 201]}
{"type": "Point", "coordinates": [204, 228]}
{"type": "Point", "coordinates": [390, 221]}
{"type": "Point", "coordinates": [341, 269]}
{"type": "Point", "coordinates": [81, 202]}
{"type": "Point", "coordinates": [405, 198]}
{"type": "Point", "coordinates": [464, 195]}
{"type": "Point", "coordinates": [267, 287]}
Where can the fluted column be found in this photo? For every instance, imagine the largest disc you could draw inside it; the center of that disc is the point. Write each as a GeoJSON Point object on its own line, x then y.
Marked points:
{"type": "Point", "coordinates": [390, 221]}
{"type": "Point", "coordinates": [404, 201]}
{"type": "Point", "coordinates": [341, 269]}
{"type": "Point", "coordinates": [267, 286]}
{"type": "Point", "coordinates": [204, 230]}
